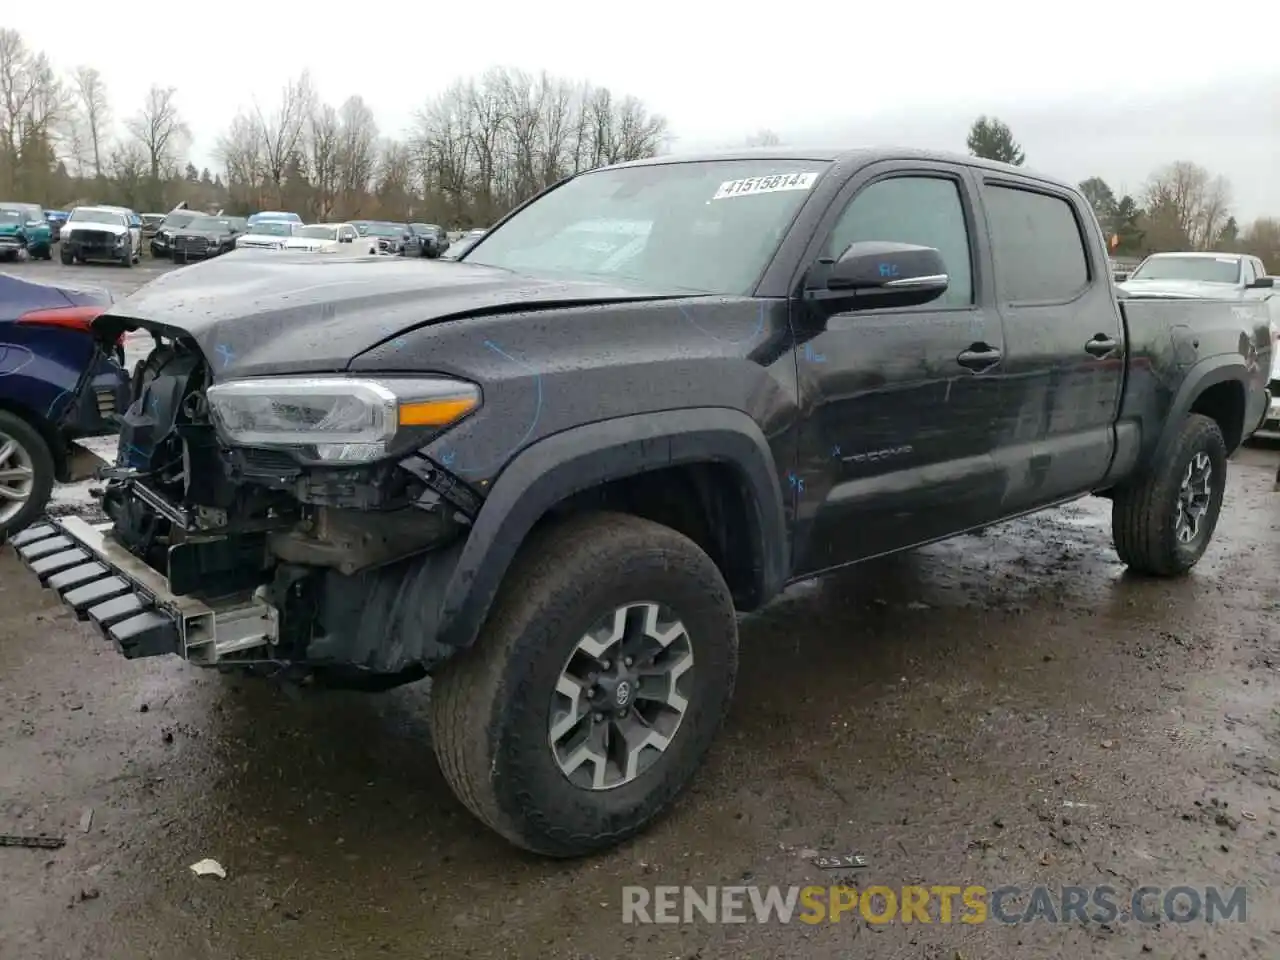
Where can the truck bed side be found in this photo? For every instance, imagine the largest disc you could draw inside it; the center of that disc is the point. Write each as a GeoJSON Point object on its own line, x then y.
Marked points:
{"type": "Point", "coordinates": [1189, 356]}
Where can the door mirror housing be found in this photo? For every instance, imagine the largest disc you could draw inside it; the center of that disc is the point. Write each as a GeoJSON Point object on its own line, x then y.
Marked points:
{"type": "Point", "coordinates": [1262, 283]}
{"type": "Point", "coordinates": [874, 274]}
{"type": "Point", "coordinates": [1120, 276]}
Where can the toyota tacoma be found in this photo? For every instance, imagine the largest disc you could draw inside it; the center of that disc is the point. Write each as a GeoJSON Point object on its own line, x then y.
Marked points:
{"type": "Point", "coordinates": [550, 473]}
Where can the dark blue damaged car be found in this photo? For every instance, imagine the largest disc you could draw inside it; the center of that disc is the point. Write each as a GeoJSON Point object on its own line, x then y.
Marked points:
{"type": "Point", "coordinates": [58, 383]}
{"type": "Point", "coordinates": [549, 472]}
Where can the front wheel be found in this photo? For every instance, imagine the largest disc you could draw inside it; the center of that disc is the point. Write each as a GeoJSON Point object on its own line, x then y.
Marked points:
{"type": "Point", "coordinates": [1163, 521]}
{"type": "Point", "coordinates": [595, 689]}
{"type": "Point", "coordinates": [26, 474]}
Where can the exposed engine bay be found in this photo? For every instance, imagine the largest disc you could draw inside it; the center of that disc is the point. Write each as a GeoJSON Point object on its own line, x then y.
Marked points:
{"type": "Point", "coordinates": [333, 549]}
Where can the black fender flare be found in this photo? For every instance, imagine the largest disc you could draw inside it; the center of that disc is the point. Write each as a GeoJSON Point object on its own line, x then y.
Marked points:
{"type": "Point", "coordinates": [1209, 372]}
{"type": "Point", "coordinates": [552, 469]}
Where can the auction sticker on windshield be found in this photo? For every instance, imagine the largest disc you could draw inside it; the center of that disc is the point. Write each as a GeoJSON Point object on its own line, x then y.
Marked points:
{"type": "Point", "coordinates": [767, 184]}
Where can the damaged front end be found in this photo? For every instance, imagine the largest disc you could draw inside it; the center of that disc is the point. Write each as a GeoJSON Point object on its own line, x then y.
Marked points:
{"type": "Point", "coordinates": [274, 520]}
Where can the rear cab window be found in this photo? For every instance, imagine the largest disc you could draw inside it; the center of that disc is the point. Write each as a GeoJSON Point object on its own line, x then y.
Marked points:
{"type": "Point", "coordinates": [1037, 244]}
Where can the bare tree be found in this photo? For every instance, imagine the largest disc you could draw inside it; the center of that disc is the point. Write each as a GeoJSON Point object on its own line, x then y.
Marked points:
{"type": "Point", "coordinates": [282, 131]}
{"type": "Point", "coordinates": [1185, 202]}
{"type": "Point", "coordinates": [129, 164]}
{"type": "Point", "coordinates": [357, 156]}
{"type": "Point", "coordinates": [395, 173]}
{"type": "Point", "coordinates": [323, 141]}
{"type": "Point", "coordinates": [93, 114]}
{"type": "Point", "coordinates": [554, 128]}
{"type": "Point", "coordinates": [442, 142]}
{"type": "Point", "coordinates": [32, 104]}
{"type": "Point", "coordinates": [241, 153]}
{"type": "Point", "coordinates": [159, 129]}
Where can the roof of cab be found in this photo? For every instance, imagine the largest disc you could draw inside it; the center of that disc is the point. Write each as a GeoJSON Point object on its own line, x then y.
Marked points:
{"type": "Point", "coordinates": [841, 156]}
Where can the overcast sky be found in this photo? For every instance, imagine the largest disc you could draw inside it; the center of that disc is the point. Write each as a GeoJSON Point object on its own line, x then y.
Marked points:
{"type": "Point", "coordinates": [1113, 89]}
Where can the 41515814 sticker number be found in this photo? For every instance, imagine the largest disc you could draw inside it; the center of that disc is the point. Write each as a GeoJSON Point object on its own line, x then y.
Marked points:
{"type": "Point", "coordinates": [767, 184]}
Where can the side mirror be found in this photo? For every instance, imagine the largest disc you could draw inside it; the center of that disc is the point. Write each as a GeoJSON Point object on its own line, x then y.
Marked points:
{"type": "Point", "coordinates": [876, 274]}
{"type": "Point", "coordinates": [36, 223]}
{"type": "Point", "coordinates": [1262, 283]}
{"type": "Point", "coordinates": [1120, 277]}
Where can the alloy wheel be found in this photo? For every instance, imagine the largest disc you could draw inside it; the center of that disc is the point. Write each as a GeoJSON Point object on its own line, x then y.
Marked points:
{"type": "Point", "coordinates": [621, 696]}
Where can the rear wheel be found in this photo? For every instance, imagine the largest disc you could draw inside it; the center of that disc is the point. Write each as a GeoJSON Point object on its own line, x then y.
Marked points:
{"type": "Point", "coordinates": [65, 256]}
{"type": "Point", "coordinates": [1163, 521]}
{"type": "Point", "coordinates": [26, 474]}
{"type": "Point", "coordinates": [602, 675]}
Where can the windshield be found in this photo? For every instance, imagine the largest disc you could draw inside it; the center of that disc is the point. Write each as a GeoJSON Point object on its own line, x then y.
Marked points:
{"type": "Point", "coordinates": [83, 215]}
{"type": "Point", "coordinates": [1201, 269]}
{"type": "Point", "coordinates": [425, 228]}
{"type": "Point", "coordinates": [386, 229]}
{"type": "Point", "coordinates": [273, 228]}
{"type": "Point", "coordinates": [179, 220]}
{"type": "Point", "coordinates": [11, 216]}
{"type": "Point", "coordinates": [709, 227]}
{"type": "Point", "coordinates": [319, 233]}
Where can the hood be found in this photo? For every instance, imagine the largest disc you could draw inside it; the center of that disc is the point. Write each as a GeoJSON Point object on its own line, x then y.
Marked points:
{"type": "Point", "coordinates": [73, 226]}
{"type": "Point", "coordinates": [254, 313]}
{"type": "Point", "coordinates": [8, 229]}
{"type": "Point", "coordinates": [1179, 289]}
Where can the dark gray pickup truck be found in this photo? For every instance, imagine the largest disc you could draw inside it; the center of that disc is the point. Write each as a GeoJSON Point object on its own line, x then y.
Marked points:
{"type": "Point", "coordinates": [549, 474]}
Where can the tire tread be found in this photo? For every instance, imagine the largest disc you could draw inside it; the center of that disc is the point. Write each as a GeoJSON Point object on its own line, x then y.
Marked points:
{"type": "Point", "coordinates": [467, 686]}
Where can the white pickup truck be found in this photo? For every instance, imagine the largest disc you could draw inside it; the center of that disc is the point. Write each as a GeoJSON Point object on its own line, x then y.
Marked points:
{"type": "Point", "coordinates": [1214, 276]}
{"type": "Point", "coordinates": [331, 238]}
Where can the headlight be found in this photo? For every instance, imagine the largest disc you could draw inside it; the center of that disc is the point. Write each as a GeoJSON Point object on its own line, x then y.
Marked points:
{"type": "Point", "coordinates": [339, 419]}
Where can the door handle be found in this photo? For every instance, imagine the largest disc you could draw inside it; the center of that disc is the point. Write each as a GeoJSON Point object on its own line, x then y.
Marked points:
{"type": "Point", "coordinates": [979, 357]}
{"type": "Point", "coordinates": [1101, 346]}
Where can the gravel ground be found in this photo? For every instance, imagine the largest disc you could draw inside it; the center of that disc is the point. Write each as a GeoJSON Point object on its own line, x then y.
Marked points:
{"type": "Point", "coordinates": [1005, 709]}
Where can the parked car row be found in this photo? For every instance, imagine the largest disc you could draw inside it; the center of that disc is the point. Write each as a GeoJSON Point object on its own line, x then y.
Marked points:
{"type": "Point", "coordinates": [185, 235]}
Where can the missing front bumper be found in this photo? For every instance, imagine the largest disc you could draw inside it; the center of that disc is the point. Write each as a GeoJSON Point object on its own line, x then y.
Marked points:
{"type": "Point", "coordinates": [131, 604]}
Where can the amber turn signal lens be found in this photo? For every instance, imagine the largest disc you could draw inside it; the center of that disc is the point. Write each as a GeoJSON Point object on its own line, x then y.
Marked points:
{"type": "Point", "coordinates": [435, 413]}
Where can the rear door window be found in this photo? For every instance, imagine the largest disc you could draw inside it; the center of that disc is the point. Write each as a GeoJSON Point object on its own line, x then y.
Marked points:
{"type": "Point", "coordinates": [1037, 245]}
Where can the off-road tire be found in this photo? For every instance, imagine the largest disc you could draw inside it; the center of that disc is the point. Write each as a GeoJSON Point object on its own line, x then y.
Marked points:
{"type": "Point", "coordinates": [1143, 511]}
{"type": "Point", "coordinates": [490, 705]}
{"type": "Point", "coordinates": [66, 257]}
{"type": "Point", "coordinates": [42, 468]}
